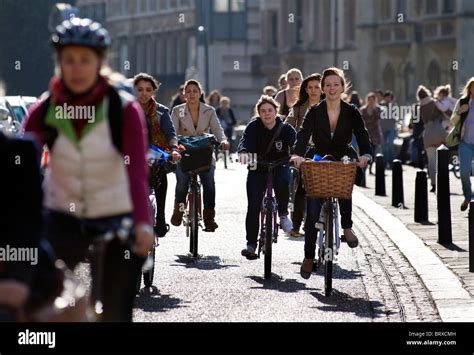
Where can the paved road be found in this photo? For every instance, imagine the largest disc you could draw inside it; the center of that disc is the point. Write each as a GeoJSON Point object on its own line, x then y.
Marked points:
{"type": "Point", "coordinates": [372, 283]}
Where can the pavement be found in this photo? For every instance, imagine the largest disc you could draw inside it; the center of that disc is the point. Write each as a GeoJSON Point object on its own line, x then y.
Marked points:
{"type": "Point", "coordinates": [443, 268]}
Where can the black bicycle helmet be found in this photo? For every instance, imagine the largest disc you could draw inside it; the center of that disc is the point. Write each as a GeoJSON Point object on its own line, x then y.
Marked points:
{"type": "Point", "coordinates": [81, 32]}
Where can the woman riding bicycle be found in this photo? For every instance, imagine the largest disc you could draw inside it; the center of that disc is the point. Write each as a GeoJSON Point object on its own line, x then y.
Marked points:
{"type": "Point", "coordinates": [310, 95]}
{"type": "Point", "coordinates": [331, 125]}
{"type": "Point", "coordinates": [162, 135]}
{"type": "Point", "coordinates": [267, 139]}
{"type": "Point", "coordinates": [97, 175]}
{"type": "Point", "coordinates": [195, 118]}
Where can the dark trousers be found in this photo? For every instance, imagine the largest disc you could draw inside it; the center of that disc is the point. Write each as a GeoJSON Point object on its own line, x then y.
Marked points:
{"type": "Point", "coordinates": [71, 238]}
{"type": "Point", "coordinates": [299, 207]}
{"type": "Point", "coordinates": [256, 188]}
{"type": "Point", "coordinates": [313, 209]}
{"type": "Point", "coordinates": [160, 186]}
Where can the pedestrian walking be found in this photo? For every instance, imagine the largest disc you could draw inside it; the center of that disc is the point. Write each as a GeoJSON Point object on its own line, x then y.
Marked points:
{"type": "Point", "coordinates": [463, 116]}
{"type": "Point", "coordinates": [371, 116]}
{"type": "Point", "coordinates": [227, 118]}
{"type": "Point", "coordinates": [288, 97]}
{"type": "Point", "coordinates": [434, 132]}
{"type": "Point", "coordinates": [389, 129]}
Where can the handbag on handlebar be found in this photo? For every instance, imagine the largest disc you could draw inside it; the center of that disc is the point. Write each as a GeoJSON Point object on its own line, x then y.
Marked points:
{"type": "Point", "coordinates": [198, 154]}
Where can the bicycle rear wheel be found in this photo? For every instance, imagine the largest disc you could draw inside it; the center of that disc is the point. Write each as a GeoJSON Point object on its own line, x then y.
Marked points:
{"type": "Point", "coordinates": [328, 249]}
{"type": "Point", "coordinates": [194, 213]}
{"type": "Point", "coordinates": [148, 276]}
{"type": "Point", "coordinates": [268, 243]}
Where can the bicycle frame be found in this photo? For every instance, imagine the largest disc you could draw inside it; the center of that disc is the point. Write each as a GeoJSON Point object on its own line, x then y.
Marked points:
{"type": "Point", "coordinates": [333, 204]}
{"type": "Point", "coordinates": [193, 214]}
{"type": "Point", "coordinates": [269, 204]}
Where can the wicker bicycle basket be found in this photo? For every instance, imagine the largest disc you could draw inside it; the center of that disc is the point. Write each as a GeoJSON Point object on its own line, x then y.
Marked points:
{"type": "Point", "coordinates": [328, 179]}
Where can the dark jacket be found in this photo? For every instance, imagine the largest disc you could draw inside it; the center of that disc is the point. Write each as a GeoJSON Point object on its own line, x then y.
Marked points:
{"type": "Point", "coordinates": [21, 201]}
{"type": "Point", "coordinates": [257, 137]}
{"type": "Point", "coordinates": [232, 117]}
{"type": "Point", "coordinates": [166, 124]}
{"type": "Point", "coordinates": [316, 125]}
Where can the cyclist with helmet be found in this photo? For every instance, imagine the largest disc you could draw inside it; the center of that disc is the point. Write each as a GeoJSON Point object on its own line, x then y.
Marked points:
{"type": "Point", "coordinates": [97, 175]}
{"type": "Point", "coordinates": [163, 136]}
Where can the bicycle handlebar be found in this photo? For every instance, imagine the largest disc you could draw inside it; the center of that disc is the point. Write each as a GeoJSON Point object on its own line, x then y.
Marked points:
{"type": "Point", "coordinates": [274, 164]}
{"type": "Point", "coordinates": [124, 233]}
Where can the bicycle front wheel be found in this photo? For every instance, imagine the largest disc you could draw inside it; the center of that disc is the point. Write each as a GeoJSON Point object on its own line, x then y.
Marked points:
{"type": "Point", "coordinates": [328, 250]}
{"type": "Point", "coordinates": [268, 243]}
{"type": "Point", "coordinates": [194, 221]}
{"type": "Point", "coordinates": [148, 275]}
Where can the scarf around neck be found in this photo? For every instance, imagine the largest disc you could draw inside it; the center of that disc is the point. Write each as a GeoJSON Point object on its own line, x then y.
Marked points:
{"type": "Point", "coordinates": [61, 95]}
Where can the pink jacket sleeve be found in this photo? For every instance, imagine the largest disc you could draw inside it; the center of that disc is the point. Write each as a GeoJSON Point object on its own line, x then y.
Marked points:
{"type": "Point", "coordinates": [135, 147]}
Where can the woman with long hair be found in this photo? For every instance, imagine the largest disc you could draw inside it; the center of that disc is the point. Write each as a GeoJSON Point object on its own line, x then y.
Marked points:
{"type": "Point", "coordinates": [194, 118]}
{"type": "Point", "coordinates": [463, 115]}
{"type": "Point", "coordinates": [288, 97]}
{"type": "Point", "coordinates": [310, 95]}
{"type": "Point", "coordinates": [331, 125]}
{"type": "Point", "coordinates": [162, 135]}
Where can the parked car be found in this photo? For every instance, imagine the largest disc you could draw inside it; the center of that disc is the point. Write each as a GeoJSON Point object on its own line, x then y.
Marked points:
{"type": "Point", "coordinates": [9, 123]}
{"type": "Point", "coordinates": [18, 105]}
{"type": "Point", "coordinates": [29, 101]}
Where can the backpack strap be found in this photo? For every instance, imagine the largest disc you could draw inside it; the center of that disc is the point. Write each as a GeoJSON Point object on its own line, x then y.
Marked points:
{"type": "Point", "coordinates": [116, 106]}
{"type": "Point", "coordinates": [49, 133]}
{"type": "Point", "coordinates": [275, 135]}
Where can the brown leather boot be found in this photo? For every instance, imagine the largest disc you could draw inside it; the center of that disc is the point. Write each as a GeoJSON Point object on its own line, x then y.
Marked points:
{"type": "Point", "coordinates": [177, 216]}
{"type": "Point", "coordinates": [306, 268]}
{"type": "Point", "coordinates": [208, 215]}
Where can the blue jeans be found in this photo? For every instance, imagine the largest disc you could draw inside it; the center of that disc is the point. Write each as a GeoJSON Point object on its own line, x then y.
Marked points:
{"type": "Point", "coordinates": [388, 150]}
{"type": "Point", "coordinates": [207, 183]}
{"type": "Point", "coordinates": [256, 188]}
{"type": "Point", "coordinates": [313, 209]}
{"type": "Point", "coordinates": [466, 153]}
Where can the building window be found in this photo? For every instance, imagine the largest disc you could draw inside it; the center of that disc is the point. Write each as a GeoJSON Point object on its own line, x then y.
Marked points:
{"type": "Point", "coordinates": [299, 22]}
{"type": "Point", "coordinates": [434, 78]}
{"type": "Point", "coordinates": [388, 78]}
{"type": "Point", "coordinates": [237, 5]}
{"type": "Point", "coordinates": [221, 5]}
{"type": "Point", "coordinates": [386, 9]}
{"type": "Point", "coordinates": [229, 5]}
{"type": "Point", "coordinates": [402, 7]}
{"type": "Point", "coordinates": [349, 21]}
{"type": "Point", "coordinates": [123, 7]}
{"type": "Point", "coordinates": [273, 30]}
{"type": "Point", "coordinates": [431, 7]}
{"type": "Point", "coordinates": [123, 57]}
{"type": "Point", "coordinates": [448, 6]}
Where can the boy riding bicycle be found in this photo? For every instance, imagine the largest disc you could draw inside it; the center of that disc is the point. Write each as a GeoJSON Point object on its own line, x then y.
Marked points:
{"type": "Point", "coordinates": [267, 139]}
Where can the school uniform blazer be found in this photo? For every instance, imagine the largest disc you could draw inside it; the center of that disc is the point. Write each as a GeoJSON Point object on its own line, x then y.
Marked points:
{"type": "Point", "coordinates": [316, 125]}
